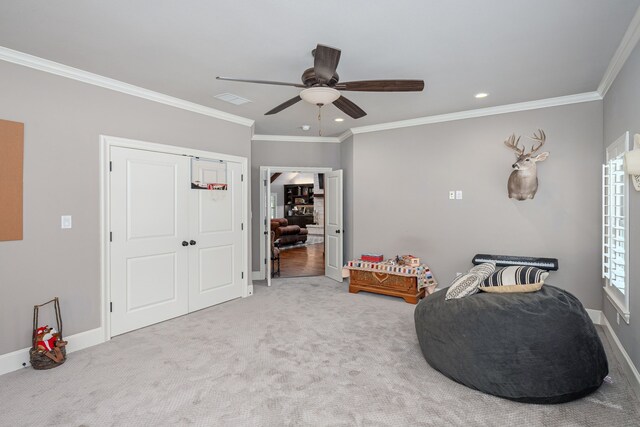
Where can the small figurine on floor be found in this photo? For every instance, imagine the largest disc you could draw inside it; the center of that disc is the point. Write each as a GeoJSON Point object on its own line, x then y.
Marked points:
{"type": "Point", "coordinates": [48, 341]}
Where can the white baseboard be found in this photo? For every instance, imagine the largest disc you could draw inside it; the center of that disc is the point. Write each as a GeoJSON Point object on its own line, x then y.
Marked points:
{"type": "Point", "coordinates": [627, 365]}
{"type": "Point", "coordinates": [18, 359]}
{"type": "Point", "coordinates": [257, 275]}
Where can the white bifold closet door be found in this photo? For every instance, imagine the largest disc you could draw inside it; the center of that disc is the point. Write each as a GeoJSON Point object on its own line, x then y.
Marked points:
{"type": "Point", "coordinates": [173, 249]}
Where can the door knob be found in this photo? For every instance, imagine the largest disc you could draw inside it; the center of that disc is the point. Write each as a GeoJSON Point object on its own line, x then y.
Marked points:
{"type": "Point", "coordinates": [338, 231]}
{"type": "Point", "coordinates": [192, 242]}
{"type": "Point", "coordinates": [185, 243]}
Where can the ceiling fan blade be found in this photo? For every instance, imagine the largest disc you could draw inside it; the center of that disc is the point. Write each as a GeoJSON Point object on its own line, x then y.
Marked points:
{"type": "Point", "coordinates": [325, 62]}
{"type": "Point", "coordinates": [383, 85]}
{"type": "Point", "coordinates": [349, 108]}
{"type": "Point", "coordinates": [284, 105]}
{"type": "Point", "coordinates": [262, 82]}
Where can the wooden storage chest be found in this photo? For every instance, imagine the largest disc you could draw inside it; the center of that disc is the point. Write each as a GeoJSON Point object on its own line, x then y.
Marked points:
{"type": "Point", "coordinates": [405, 287]}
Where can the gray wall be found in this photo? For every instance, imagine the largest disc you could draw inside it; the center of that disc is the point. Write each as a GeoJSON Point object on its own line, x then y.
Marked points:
{"type": "Point", "coordinates": [346, 164]}
{"type": "Point", "coordinates": [621, 114]}
{"type": "Point", "coordinates": [63, 120]}
{"type": "Point", "coordinates": [280, 153]}
{"type": "Point", "coordinates": [402, 178]}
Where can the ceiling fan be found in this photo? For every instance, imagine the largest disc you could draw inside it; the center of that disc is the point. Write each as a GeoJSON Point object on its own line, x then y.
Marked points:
{"type": "Point", "coordinates": [321, 85]}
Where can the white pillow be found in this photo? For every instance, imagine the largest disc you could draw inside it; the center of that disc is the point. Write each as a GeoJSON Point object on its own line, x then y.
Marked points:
{"type": "Point", "coordinates": [463, 285]}
{"type": "Point", "coordinates": [484, 270]}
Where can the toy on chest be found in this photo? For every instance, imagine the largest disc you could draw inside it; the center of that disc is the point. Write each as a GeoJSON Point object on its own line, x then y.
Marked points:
{"type": "Point", "coordinates": [411, 261]}
{"type": "Point", "coordinates": [372, 257]}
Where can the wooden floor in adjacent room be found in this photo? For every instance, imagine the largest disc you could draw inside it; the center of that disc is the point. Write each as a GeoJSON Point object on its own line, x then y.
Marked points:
{"type": "Point", "coordinates": [303, 261]}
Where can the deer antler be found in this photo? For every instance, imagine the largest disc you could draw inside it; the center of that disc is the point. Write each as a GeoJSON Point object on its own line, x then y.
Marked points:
{"type": "Point", "coordinates": [512, 143]}
{"type": "Point", "coordinates": [540, 137]}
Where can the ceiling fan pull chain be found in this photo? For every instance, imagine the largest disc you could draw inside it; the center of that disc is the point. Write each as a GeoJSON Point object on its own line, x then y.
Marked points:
{"type": "Point", "coordinates": [319, 120]}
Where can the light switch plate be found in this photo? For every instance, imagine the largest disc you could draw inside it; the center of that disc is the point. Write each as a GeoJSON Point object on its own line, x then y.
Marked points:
{"type": "Point", "coordinates": [65, 221]}
{"type": "Point", "coordinates": [459, 195]}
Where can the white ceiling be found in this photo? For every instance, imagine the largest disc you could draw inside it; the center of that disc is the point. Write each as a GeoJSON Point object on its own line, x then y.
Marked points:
{"type": "Point", "coordinates": [517, 50]}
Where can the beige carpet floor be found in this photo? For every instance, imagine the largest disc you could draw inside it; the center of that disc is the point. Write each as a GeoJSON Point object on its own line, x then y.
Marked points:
{"type": "Point", "coordinates": [303, 352]}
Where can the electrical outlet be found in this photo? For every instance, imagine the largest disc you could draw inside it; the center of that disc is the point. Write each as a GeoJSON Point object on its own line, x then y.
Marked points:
{"type": "Point", "coordinates": [65, 221]}
{"type": "Point", "coordinates": [459, 194]}
{"type": "Point", "coordinates": [452, 195]}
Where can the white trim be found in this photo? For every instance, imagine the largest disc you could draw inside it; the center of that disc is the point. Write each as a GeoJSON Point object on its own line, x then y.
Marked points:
{"type": "Point", "coordinates": [24, 59]}
{"type": "Point", "coordinates": [106, 142]}
{"type": "Point", "coordinates": [628, 367]}
{"type": "Point", "coordinates": [482, 112]}
{"type": "Point", "coordinates": [344, 135]}
{"type": "Point", "coordinates": [263, 213]}
{"type": "Point", "coordinates": [15, 360]}
{"type": "Point", "coordinates": [614, 299]}
{"type": "Point", "coordinates": [31, 61]}
{"type": "Point", "coordinates": [293, 138]}
{"type": "Point", "coordinates": [595, 316]}
{"type": "Point", "coordinates": [626, 46]}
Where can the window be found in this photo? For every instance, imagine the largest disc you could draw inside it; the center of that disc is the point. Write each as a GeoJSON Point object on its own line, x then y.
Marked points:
{"type": "Point", "coordinates": [615, 231]}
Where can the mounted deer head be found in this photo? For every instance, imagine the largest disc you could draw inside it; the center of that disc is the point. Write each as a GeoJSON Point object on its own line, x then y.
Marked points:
{"type": "Point", "coordinates": [523, 181]}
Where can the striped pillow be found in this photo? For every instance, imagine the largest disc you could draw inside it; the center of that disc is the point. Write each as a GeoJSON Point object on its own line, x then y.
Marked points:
{"type": "Point", "coordinates": [515, 279]}
{"type": "Point", "coordinates": [484, 270]}
{"type": "Point", "coordinates": [463, 285]}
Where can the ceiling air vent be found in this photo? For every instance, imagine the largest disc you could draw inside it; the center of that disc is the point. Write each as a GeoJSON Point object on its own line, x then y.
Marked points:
{"type": "Point", "coordinates": [233, 99]}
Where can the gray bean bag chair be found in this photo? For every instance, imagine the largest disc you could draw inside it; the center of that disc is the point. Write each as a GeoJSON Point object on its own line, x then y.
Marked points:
{"type": "Point", "coordinates": [538, 347]}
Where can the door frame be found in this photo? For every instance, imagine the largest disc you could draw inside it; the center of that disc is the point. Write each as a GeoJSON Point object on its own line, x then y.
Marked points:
{"type": "Point", "coordinates": [106, 142]}
{"type": "Point", "coordinates": [264, 208]}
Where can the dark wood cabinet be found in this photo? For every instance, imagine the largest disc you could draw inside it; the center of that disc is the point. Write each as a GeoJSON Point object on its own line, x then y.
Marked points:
{"type": "Point", "coordinates": [301, 220]}
{"type": "Point", "coordinates": [298, 204]}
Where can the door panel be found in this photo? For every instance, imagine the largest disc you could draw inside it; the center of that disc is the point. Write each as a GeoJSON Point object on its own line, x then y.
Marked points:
{"type": "Point", "coordinates": [151, 202]}
{"type": "Point", "coordinates": [215, 274]}
{"type": "Point", "coordinates": [151, 280]}
{"type": "Point", "coordinates": [214, 267]}
{"type": "Point", "coordinates": [333, 224]}
{"type": "Point", "coordinates": [149, 265]}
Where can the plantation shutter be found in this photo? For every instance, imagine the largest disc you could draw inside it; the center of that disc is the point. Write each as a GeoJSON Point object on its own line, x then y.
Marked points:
{"type": "Point", "coordinates": [614, 218]}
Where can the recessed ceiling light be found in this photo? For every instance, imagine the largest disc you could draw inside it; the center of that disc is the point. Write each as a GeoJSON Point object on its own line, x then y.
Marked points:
{"type": "Point", "coordinates": [233, 99]}
{"type": "Point", "coordinates": [481, 95]}
{"type": "Point", "coordinates": [338, 119]}
{"type": "Point", "coordinates": [305, 127]}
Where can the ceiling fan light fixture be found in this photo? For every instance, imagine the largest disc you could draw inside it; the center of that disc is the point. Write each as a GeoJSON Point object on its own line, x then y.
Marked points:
{"type": "Point", "coordinates": [320, 95]}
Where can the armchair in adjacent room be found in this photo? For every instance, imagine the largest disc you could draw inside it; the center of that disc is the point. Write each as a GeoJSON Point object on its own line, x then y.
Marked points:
{"type": "Point", "coordinates": [287, 234]}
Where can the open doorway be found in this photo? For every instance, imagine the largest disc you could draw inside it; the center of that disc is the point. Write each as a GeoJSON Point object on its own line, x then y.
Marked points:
{"type": "Point", "coordinates": [330, 215]}
{"type": "Point", "coordinates": [296, 208]}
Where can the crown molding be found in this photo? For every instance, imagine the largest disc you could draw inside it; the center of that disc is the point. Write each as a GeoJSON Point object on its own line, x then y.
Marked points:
{"type": "Point", "coordinates": [346, 134]}
{"type": "Point", "coordinates": [294, 138]}
{"type": "Point", "coordinates": [628, 43]}
{"type": "Point", "coordinates": [482, 112]}
{"type": "Point", "coordinates": [24, 59]}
